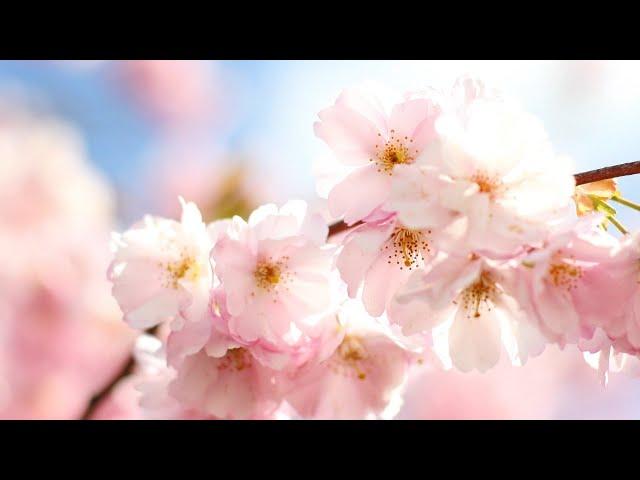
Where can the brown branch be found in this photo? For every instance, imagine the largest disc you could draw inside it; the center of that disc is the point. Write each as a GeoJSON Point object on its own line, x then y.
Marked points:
{"type": "Point", "coordinates": [339, 227]}
{"type": "Point", "coordinates": [96, 400]}
{"type": "Point", "coordinates": [126, 370]}
{"type": "Point", "coordinates": [605, 173]}
{"type": "Point", "coordinates": [590, 176]}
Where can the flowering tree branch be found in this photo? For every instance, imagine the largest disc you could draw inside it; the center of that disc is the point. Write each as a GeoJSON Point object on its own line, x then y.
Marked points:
{"type": "Point", "coordinates": [582, 178]}
{"type": "Point", "coordinates": [340, 227]}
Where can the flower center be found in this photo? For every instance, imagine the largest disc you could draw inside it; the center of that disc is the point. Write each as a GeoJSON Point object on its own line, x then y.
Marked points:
{"type": "Point", "coordinates": [186, 267]}
{"type": "Point", "coordinates": [479, 295]}
{"type": "Point", "coordinates": [488, 184]}
{"type": "Point", "coordinates": [236, 359]}
{"type": "Point", "coordinates": [409, 247]}
{"type": "Point", "coordinates": [393, 152]}
{"type": "Point", "coordinates": [564, 274]}
{"type": "Point", "coordinates": [267, 274]}
{"type": "Point", "coordinates": [351, 353]}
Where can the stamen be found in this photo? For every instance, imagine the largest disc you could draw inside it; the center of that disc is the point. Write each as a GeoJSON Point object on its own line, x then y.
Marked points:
{"type": "Point", "coordinates": [409, 247]}
{"type": "Point", "coordinates": [268, 274]}
{"type": "Point", "coordinates": [236, 359]}
{"type": "Point", "coordinates": [480, 294]}
{"type": "Point", "coordinates": [487, 183]}
{"type": "Point", "coordinates": [186, 267]}
{"type": "Point", "coordinates": [563, 274]}
{"type": "Point", "coordinates": [350, 358]}
{"type": "Point", "coordinates": [395, 151]}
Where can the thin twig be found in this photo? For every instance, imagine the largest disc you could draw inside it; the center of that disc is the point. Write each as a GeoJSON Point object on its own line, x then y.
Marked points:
{"type": "Point", "coordinates": [96, 400]}
{"type": "Point", "coordinates": [126, 370]}
{"type": "Point", "coordinates": [605, 173]}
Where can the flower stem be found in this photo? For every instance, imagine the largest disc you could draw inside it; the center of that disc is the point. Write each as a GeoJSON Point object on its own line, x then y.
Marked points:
{"type": "Point", "coordinates": [618, 225]}
{"type": "Point", "coordinates": [626, 202]}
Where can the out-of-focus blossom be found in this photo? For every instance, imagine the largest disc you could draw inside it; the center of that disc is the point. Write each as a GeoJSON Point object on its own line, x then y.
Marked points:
{"type": "Point", "coordinates": [219, 183]}
{"type": "Point", "coordinates": [539, 389]}
{"type": "Point", "coordinates": [61, 338]}
{"type": "Point", "coordinates": [176, 92]}
{"type": "Point", "coordinates": [43, 165]}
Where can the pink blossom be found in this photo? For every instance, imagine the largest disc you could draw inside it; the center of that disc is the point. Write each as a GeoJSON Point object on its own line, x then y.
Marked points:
{"type": "Point", "coordinates": [570, 286]}
{"type": "Point", "coordinates": [160, 266]}
{"type": "Point", "coordinates": [614, 301]}
{"type": "Point", "coordinates": [464, 300]}
{"type": "Point", "coordinates": [380, 256]}
{"type": "Point", "coordinates": [372, 141]}
{"type": "Point", "coordinates": [362, 377]}
{"type": "Point", "coordinates": [173, 91]}
{"type": "Point", "coordinates": [491, 164]}
{"type": "Point", "coordinates": [235, 385]}
{"type": "Point", "coordinates": [276, 276]}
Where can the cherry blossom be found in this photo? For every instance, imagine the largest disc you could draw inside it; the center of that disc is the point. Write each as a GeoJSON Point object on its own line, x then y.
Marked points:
{"type": "Point", "coordinates": [362, 377]}
{"type": "Point", "coordinates": [276, 275]}
{"type": "Point", "coordinates": [372, 140]}
{"type": "Point", "coordinates": [495, 168]}
{"type": "Point", "coordinates": [561, 285]}
{"type": "Point", "coordinates": [616, 305]}
{"type": "Point", "coordinates": [467, 298]}
{"type": "Point", "coordinates": [381, 255]}
{"type": "Point", "coordinates": [159, 266]}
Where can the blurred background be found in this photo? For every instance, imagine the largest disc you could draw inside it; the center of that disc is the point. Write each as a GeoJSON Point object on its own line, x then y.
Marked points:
{"type": "Point", "coordinates": [88, 147]}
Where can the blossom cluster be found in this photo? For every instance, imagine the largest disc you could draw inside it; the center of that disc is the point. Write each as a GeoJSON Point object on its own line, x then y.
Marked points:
{"type": "Point", "coordinates": [465, 245]}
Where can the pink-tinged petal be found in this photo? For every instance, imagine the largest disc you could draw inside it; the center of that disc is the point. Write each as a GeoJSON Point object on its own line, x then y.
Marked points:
{"type": "Point", "coordinates": [234, 386]}
{"type": "Point", "coordinates": [415, 119]}
{"type": "Point", "coordinates": [193, 336]}
{"type": "Point", "coordinates": [351, 135]}
{"type": "Point", "coordinates": [341, 388]}
{"type": "Point", "coordinates": [162, 307]}
{"type": "Point", "coordinates": [367, 104]}
{"type": "Point", "coordinates": [557, 312]}
{"type": "Point", "coordinates": [361, 247]}
{"type": "Point", "coordinates": [234, 266]}
{"type": "Point", "coordinates": [310, 295]}
{"type": "Point", "coordinates": [441, 285]}
{"type": "Point", "coordinates": [414, 198]}
{"type": "Point", "coordinates": [381, 282]}
{"type": "Point", "coordinates": [359, 194]}
{"type": "Point", "coordinates": [217, 228]}
{"type": "Point", "coordinates": [474, 342]}
{"type": "Point", "coordinates": [416, 316]}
